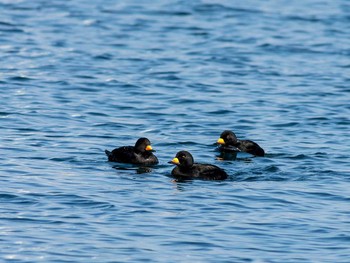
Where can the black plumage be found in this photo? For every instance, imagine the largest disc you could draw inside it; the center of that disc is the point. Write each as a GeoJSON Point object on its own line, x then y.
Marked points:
{"type": "Point", "coordinates": [229, 142]}
{"type": "Point", "coordinates": [141, 153]}
{"type": "Point", "coordinates": [187, 169]}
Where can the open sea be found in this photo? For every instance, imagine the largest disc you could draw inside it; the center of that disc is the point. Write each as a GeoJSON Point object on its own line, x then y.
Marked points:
{"type": "Point", "coordinates": [78, 77]}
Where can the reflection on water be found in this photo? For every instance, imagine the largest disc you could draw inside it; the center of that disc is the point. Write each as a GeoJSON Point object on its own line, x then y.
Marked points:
{"type": "Point", "coordinates": [137, 169]}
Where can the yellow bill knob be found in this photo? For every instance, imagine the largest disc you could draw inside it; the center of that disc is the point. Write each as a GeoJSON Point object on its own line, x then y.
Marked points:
{"type": "Point", "coordinates": [221, 141]}
{"type": "Point", "coordinates": [175, 161]}
{"type": "Point", "coordinates": [149, 148]}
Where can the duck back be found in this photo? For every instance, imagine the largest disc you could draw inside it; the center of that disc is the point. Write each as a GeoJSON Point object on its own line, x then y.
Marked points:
{"type": "Point", "coordinates": [200, 171]}
{"type": "Point", "coordinates": [123, 154]}
{"type": "Point", "coordinates": [251, 147]}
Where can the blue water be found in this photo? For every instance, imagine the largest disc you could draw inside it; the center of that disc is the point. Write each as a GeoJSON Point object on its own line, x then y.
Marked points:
{"type": "Point", "coordinates": [79, 77]}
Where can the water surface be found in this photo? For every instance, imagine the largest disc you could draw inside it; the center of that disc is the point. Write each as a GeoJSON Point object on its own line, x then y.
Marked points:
{"type": "Point", "coordinates": [80, 77]}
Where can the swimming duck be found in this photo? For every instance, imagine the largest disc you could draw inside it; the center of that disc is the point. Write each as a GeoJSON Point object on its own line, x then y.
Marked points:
{"type": "Point", "coordinates": [141, 153]}
{"type": "Point", "coordinates": [186, 168]}
{"type": "Point", "coordinates": [228, 141]}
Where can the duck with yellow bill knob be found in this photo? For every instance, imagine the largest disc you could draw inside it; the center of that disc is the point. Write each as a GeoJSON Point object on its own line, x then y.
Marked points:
{"type": "Point", "coordinates": [186, 168]}
{"type": "Point", "coordinates": [141, 153]}
{"type": "Point", "coordinates": [228, 142]}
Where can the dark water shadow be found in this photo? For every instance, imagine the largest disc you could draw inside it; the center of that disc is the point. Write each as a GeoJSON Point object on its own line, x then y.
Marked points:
{"type": "Point", "coordinates": [226, 156]}
{"type": "Point", "coordinates": [136, 168]}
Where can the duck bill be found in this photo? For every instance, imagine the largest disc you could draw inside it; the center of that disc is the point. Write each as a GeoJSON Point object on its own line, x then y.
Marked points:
{"type": "Point", "coordinates": [149, 148]}
{"type": "Point", "coordinates": [220, 141]}
{"type": "Point", "coordinates": [175, 161]}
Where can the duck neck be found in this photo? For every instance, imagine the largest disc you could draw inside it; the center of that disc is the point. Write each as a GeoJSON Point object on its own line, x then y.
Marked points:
{"type": "Point", "coordinates": [236, 143]}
